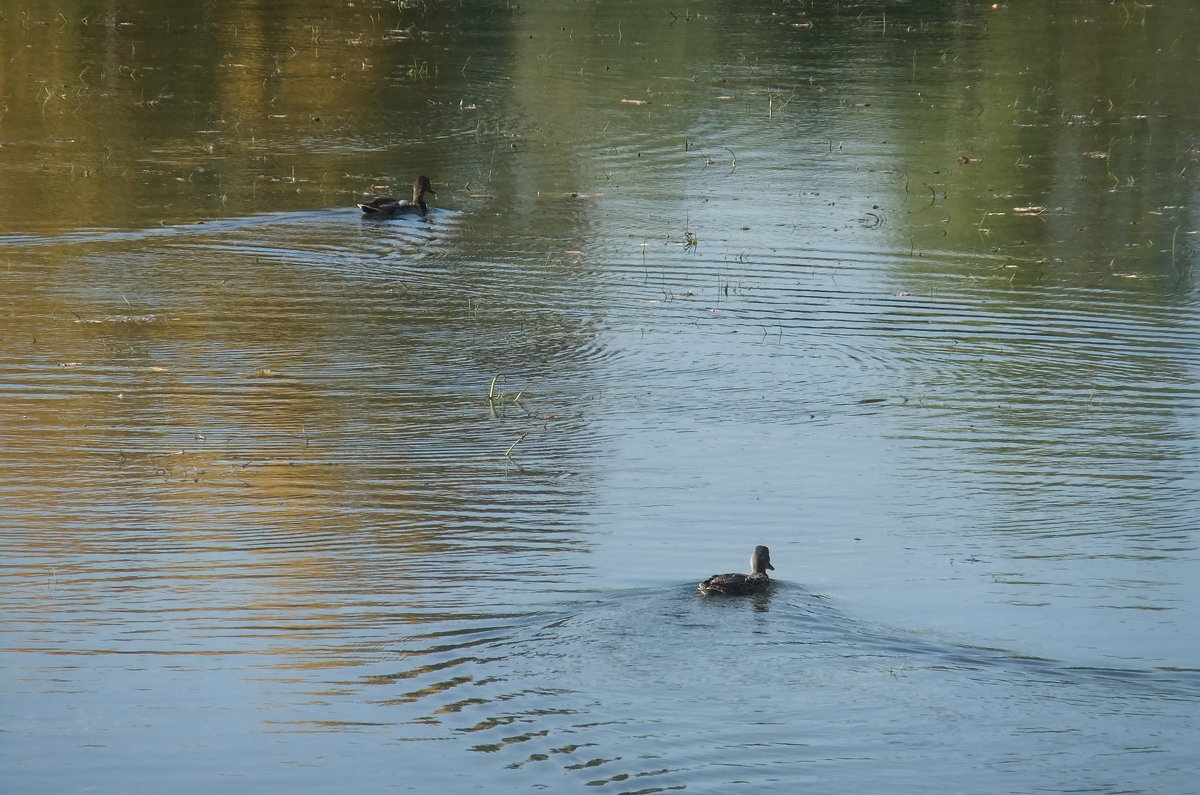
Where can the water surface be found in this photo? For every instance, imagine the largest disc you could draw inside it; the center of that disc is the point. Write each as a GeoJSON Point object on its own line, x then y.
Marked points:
{"type": "Point", "coordinates": [292, 500]}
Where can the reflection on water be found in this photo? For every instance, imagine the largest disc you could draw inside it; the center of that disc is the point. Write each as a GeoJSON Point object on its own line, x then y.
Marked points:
{"type": "Point", "coordinates": [297, 501]}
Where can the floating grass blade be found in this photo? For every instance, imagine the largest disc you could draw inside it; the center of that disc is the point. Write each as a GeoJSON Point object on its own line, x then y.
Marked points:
{"type": "Point", "coordinates": [521, 438]}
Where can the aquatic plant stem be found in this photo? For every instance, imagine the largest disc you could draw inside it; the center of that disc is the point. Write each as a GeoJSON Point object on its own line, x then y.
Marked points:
{"type": "Point", "coordinates": [521, 438]}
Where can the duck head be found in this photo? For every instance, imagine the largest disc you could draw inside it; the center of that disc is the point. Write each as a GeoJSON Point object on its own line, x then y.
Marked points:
{"type": "Point", "coordinates": [420, 188]}
{"type": "Point", "coordinates": [760, 561]}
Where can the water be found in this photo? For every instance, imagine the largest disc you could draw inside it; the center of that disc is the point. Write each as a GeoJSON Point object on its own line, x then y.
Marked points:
{"type": "Point", "coordinates": [297, 501]}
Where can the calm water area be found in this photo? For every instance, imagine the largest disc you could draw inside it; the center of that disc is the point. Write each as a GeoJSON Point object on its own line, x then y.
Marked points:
{"type": "Point", "coordinates": [294, 501]}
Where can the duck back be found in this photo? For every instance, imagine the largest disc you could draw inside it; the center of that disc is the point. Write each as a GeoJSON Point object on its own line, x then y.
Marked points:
{"type": "Point", "coordinates": [735, 584]}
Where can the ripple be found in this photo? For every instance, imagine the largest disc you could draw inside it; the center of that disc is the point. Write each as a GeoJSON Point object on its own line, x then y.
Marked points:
{"type": "Point", "coordinates": [592, 660]}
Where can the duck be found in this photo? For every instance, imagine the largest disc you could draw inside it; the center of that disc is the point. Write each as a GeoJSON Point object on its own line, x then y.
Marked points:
{"type": "Point", "coordinates": [387, 207]}
{"type": "Point", "coordinates": [741, 584]}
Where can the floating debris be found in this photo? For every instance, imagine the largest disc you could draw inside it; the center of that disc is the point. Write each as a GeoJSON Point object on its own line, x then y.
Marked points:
{"type": "Point", "coordinates": [135, 320]}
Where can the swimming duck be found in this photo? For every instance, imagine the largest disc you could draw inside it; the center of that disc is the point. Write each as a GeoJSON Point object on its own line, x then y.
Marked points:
{"type": "Point", "coordinates": [387, 207]}
{"type": "Point", "coordinates": [742, 584]}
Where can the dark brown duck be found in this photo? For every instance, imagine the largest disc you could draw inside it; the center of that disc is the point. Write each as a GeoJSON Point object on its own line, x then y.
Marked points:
{"type": "Point", "coordinates": [387, 207]}
{"type": "Point", "coordinates": [740, 584]}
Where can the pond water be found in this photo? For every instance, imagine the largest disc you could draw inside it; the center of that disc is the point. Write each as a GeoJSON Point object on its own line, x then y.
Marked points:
{"type": "Point", "coordinates": [294, 501]}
